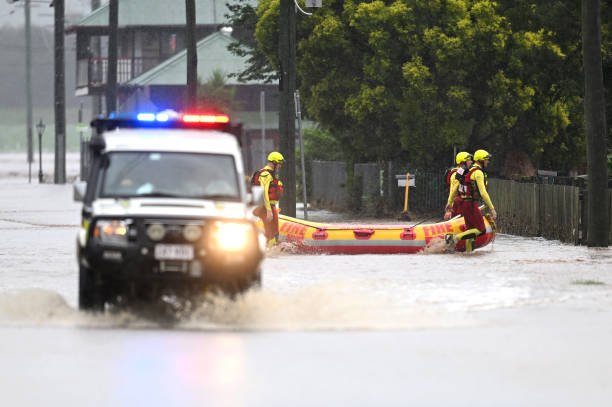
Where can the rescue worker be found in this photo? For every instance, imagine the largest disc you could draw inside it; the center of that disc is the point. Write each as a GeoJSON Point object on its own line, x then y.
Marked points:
{"type": "Point", "coordinates": [453, 180]}
{"type": "Point", "coordinates": [267, 177]}
{"type": "Point", "coordinates": [472, 190]}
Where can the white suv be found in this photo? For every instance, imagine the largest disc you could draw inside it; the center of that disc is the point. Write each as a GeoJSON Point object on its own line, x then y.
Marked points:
{"type": "Point", "coordinates": [165, 211]}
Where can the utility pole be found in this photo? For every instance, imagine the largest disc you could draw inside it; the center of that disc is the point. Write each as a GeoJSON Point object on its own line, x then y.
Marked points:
{"type": "Point", "coordinates": [96, 103]}
{"type": "Point", "coordinates": [262, 116]}
{"type": "Point", "coordinates": [595, 126]}
{"type": "Point", "coordinates": [192, 55]}
{"type": "Point", "coordinates": [286, 122]}
{"type": "Point", "coordinates": [111, 76]}
{"type": "Point", "coordinates": [28, 39]}
{"type": "Point", "coordinates": [59, 175]}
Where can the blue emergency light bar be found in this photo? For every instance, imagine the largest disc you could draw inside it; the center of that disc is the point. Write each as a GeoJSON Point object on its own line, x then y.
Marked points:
{"type": "Point", "coordinates": [164, 119]}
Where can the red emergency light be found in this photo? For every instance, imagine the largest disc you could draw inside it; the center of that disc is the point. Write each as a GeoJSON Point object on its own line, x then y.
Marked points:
{"type": "Point", "coordinates": [205, 118]}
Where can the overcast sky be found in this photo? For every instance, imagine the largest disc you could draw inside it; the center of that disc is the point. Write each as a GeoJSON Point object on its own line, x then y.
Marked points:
{"type": "Point", "coordinates": [42, 14]}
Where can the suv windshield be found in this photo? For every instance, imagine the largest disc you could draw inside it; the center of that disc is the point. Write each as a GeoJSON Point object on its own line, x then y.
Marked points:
{"type": "Point", "coordinates": [168, 174]}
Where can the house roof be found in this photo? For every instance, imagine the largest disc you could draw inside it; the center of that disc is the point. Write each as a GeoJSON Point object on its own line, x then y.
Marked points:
{"type": "Point", "coordinates": [212, 55]}
{"type": "Point", "coordinates": [157, 13]}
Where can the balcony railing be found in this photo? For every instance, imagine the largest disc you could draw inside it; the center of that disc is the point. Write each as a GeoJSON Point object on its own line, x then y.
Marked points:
{"type": "Point", "coordinates": [93, 72]}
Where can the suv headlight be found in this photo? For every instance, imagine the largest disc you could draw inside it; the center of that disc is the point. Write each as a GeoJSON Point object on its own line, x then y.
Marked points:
{"type": "Point", "coordinates": [111, 231]}
{"type": "Point", "coordinates": [231, 236]}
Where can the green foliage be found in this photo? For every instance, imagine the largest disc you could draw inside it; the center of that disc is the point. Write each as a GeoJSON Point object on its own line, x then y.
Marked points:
{"type": "Point", "coordinates": [214, 95]}
{"type": "Point", "coordinates": [417, 78]}
{"type": "Point", "coordinates": [244, 18]}
{"type": "Point", "coordinates": [320, 144]}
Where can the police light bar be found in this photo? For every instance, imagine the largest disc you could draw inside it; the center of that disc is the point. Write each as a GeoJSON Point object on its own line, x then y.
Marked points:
{"type": "Point", "coordinates": [206, 118]}
{"type": "Point", "coordinates": [164, 119]}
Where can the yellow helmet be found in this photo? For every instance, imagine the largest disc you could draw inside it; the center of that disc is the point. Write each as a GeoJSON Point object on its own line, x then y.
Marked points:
{"type": "Point", "coordinates": [462, 157]}
{"type": "Point", "coordinates": [481, 155]}
{"type": "Point", "coordinates": [276, 157]}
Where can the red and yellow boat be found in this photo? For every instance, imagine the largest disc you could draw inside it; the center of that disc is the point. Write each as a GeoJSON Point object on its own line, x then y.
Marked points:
{"type": "Point", "coordinates": [315, 237]}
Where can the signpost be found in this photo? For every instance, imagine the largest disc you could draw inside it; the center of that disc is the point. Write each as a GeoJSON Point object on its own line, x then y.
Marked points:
{"type": "Point", "coordinates": [401, 182]}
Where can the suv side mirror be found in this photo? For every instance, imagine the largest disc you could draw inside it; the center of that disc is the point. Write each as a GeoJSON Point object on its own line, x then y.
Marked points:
{"type": "Point", "coordinates": [256, 196]}
{"type": "Point", "coordinates": [78, 190]}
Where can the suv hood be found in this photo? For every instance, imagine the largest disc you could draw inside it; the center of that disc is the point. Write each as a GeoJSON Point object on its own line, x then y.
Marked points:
{"type": "Point", "coordinates": [168, 207]}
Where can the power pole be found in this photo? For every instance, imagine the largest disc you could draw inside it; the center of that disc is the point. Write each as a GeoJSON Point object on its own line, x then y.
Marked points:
{"type": "Point", "coordinates": [595, 125]}
{"type": "Point", "coordinates": [286, 122]}
{"type": "Point", "coordinates": [96, 103]}
{"type": "Point", "coordinates": [192, 54]}
{"type": "Point", "coordinates": [59, 175]}
{"type": "Point", "coordinates": [111, 77]}
{"type": "Point", "coordinates": [28, 39]}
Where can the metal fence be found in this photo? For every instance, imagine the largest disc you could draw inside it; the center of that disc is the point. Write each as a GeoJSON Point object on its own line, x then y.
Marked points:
{"type": "Point", "coordinates": [328, 184]}
{"type": "Point", "coordinates": [328, 188]}
{"type": "Point", "coordinates": [429, 193]}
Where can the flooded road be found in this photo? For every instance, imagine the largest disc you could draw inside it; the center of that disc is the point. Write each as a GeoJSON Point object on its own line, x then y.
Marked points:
{"type": "Point", "coordinates": [519, 322]}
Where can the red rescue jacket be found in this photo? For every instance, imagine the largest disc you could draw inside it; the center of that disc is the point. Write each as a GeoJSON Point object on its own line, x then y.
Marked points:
{"type": "Point", "coordinates": [468, 189]}
{"type": "Point", "coordinates": [275, 190]}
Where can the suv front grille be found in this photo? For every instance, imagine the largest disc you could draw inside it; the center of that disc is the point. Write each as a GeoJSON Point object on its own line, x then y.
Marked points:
{"type": "Point", "coordinates": [173, 266]}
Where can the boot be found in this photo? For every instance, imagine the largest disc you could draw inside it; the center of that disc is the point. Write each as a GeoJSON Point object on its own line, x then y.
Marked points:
{"type": "Point", "coordinates": [271, 243]}
{"type": "Point", "coordinates": [469, 245]}
{"type": "Point", "coordinates": [449, 238]}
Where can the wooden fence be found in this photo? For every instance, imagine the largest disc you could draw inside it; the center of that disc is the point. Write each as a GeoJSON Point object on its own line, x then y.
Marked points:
{"type": "Point", "coordinates": [530, 209]}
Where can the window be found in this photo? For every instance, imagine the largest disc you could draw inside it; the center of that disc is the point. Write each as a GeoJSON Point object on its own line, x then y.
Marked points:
{"type": "Point", "coordinates": [169, 174]}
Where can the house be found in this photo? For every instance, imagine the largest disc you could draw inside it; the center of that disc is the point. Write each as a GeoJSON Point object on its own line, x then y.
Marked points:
{"type": "Point", "coordinates": [163, 87]}
{"type": "Point", "coordinates": [149, 32]}
{"type": "Point", "coordinates": [151, 66]}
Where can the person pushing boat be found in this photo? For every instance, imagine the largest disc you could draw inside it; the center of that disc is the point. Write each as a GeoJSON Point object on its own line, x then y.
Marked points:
{"type": "Point", "coordinates": [472, 190]}
{"type": "Point", "coordinates": [454, 177]}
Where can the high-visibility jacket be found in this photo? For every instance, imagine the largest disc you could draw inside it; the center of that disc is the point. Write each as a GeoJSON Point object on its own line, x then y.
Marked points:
{"type": "Point", "coordinates": [273, 187]}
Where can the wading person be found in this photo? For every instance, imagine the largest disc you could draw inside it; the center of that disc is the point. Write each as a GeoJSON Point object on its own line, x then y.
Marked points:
{"type": "Point", "coordinates": [267, 177]}
{"type": "Point", "coordinates": [453, 179]}
{"type": "Point", "coordinates": [472, 190]}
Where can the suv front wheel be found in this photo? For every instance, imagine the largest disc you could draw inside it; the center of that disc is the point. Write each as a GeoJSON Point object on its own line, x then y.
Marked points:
{"type": "Point", "coordinates": [90, 291]}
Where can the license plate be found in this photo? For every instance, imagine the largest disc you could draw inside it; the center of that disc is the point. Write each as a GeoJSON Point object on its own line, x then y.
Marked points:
{"type": "Point", "coordinates": [173, 252]}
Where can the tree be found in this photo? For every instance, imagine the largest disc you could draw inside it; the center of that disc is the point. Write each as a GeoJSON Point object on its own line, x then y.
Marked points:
{"type": "Point", "coordinates": [595, 114]}
{"type": "Point", "coordinates": [244, 15]}
{"type": "Point", "coordinates": [408, 77]}
{"type": "Point", "coordinates": [215, 95]}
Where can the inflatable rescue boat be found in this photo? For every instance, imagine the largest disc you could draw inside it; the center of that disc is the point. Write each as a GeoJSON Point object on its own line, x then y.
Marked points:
{"type": "Point", "coordinates": [314, 237]}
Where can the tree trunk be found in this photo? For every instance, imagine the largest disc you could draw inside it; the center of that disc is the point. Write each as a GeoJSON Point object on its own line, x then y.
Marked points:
{"type": "Point", "coordinates": [595, 122]}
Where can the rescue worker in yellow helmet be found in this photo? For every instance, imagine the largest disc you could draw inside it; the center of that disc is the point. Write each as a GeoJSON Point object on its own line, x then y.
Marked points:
{"type": "Point", "coordinates": [267, 177]}
{"type": "Point", "coordinates": [453, 180]}
{"type": "Point", "coordinates": [472, 190]}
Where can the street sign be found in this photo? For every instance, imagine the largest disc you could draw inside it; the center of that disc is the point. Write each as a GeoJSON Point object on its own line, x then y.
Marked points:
{"type": "Point", "coordinates": [401, 180]}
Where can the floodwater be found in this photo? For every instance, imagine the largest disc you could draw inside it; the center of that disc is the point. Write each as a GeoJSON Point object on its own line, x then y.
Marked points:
{"type": "Point", "coordinates": [519, 322]}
